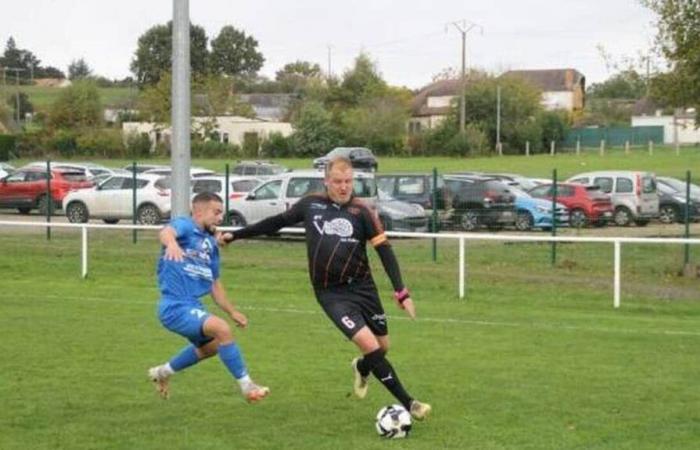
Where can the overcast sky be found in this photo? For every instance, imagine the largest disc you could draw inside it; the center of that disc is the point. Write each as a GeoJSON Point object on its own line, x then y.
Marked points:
{"type": "Point", "coordinates": [409, 40]}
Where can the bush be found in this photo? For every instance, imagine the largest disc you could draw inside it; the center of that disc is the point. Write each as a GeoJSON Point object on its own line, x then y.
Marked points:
{"type": "Point", "coordinates": [102, 143]}
{"type": "Point", "coordinates": [64, 143]}
{"type": "Point", "coordinates": [138, 145]}
{"type": "Point", "coordinates": [473, 142]}
{"type": "Point", "coordinates": [7, 146]}
{"type": "Point", "coordinates": [277, 146]}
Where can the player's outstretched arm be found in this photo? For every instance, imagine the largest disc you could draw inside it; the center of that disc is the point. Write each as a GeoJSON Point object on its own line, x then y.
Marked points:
{"type": "Point", "coordinates": [391, 266]}
{"type": "Point", "coordinates": [218, 293]}
{"type": "Point", "coordinates": [168, 237]}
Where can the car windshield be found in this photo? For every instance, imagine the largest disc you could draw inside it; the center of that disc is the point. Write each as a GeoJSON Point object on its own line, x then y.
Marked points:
{"type": "Point", "coordinates": [364, 187]}
{"type": "Point", "coordinates": [518, 192]}
{"type": "Point", "coordinates": [680, 186]}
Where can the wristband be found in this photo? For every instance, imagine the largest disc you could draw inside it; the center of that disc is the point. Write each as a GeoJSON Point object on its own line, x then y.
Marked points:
{"type": "Point", "coordinates": [402, 295]}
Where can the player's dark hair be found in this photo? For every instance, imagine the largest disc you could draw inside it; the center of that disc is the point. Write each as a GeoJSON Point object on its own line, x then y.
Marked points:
{"type": "Point", "coordinates": [206, 197]}
{"type": "Point", "coordinates": [342, 160]}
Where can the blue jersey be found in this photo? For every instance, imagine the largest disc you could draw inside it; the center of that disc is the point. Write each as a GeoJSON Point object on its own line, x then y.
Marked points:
{"type": "Point", "coordinates": [193, 277]}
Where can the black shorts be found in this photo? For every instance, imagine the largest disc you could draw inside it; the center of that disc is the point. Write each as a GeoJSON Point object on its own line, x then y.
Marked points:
{"type": "Point", "coordinates": [351, 307]}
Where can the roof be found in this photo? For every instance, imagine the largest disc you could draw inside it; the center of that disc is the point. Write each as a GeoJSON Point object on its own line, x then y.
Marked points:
{"type": "Point", "coordinates": [440, 88]}
{"type": "Point", "coordinates": [550, 80]}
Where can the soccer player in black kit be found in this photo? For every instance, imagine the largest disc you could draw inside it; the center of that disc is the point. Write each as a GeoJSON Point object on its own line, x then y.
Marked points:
{"type": "Point", "coordinates": [337, 229]}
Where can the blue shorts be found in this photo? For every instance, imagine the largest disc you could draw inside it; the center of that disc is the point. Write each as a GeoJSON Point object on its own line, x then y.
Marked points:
{"type": "Point", "coordinates": [186, 319]}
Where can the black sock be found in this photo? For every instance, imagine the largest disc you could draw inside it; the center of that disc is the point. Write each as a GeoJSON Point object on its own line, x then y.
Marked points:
{"type": "Point", "coordinates": [382, 370]}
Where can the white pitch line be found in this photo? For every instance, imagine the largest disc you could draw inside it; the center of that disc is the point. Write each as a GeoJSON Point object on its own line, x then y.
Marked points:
{"type": "Point", "coordinates": [422, 319]}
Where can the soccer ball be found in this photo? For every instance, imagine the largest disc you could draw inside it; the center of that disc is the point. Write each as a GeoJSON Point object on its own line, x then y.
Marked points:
{"type": "Point", "coordinates": [393, 422]}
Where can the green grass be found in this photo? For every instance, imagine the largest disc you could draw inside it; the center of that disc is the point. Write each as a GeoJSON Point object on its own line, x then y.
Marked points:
{"type": "Point", "coordinates": [42, 97]}
{"type": "Point", "coordinates": [535, 357]}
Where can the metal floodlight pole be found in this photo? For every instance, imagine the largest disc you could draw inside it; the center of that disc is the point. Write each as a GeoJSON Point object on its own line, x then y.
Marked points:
{"type": "Point", "coordinates": [181, 127]}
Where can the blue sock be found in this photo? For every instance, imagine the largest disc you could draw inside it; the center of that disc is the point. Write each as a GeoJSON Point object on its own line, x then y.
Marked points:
{"type": "Point", "coordinates": [184, 359]}
{"type": "Point", "coordinates": [231, 356]}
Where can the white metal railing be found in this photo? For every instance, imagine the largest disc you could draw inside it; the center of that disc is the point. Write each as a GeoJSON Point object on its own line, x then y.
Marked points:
{"type": "Point", "coordinates": [461, 237]}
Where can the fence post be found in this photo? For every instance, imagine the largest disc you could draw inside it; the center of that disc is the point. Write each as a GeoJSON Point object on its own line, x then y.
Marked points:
{"type": "Point", "coordinates": [49, 198]}
{"type": "Point", "coordinates": [554, 205]}
{"type": "Point", "coordinates": [227, 215]}
{"type": "Point", "coordinates": [678, 148]}
{"type": "Point", "coordinates": [578, 146]}
{"type": "Point", "coordinates": [552, 146]}
{"type": "Point", "coordinates": [627, 147]}
{"type": "Point", "coordinates": [687, 219]}
{"type": "Point", "coordinates": [435, 205]}
{"type": "Point", "coordinates": [133, 201]}
{"type": "Point", "coordinates": [651, 148]}
{"type": "Point", "coordinates": [616, 301]}
{"type": "Point", "coordinates": [85, 251]}
{"type": "Point", "coordinates": [461, 267]}
{"type": "Point", "coordinates": [602, 147]}
{"type": "Point", "coordinates": [527, 148]}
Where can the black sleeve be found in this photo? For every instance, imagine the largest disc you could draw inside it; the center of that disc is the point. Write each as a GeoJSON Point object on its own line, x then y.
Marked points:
{"type": "Point", "coordinates": [270, 225]}
{"type": "Point", "coordinates": [391, 265]}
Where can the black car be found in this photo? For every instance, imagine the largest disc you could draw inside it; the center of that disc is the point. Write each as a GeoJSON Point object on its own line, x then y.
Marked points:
{"type": "Point", "coordinates": [672, 200]}
{"type": "Point", "coordinates": [258, 168]}
{"type": "Point", "coordinates": [412, 188]}
{"type": "Point", "coordinates": [477, 201]}
{"type": "Point", "coordinates": [361, 158]}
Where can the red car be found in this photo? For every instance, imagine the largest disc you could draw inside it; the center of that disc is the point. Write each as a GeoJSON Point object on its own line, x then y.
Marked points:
{"type": "Point", "coordinates": [26, 188]}
{"type": "Point", "coordinates": [587, 204]}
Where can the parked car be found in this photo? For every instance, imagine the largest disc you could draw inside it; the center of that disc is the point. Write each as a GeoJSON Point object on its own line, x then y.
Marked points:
{"type": "Point", "coordinates": [258, 168]}
{"type": "Point", "coordinates": [90, 170]}
{"type": "Point", "coordinates": [112, 200]}
{"type": "Point", "coordinates": [140, 168]}
{"type": "Point", "coordinates": [532, 212]}
{"type": "Point", "coordinates": [512, 179]}
{"type": "Point", "coordinates": [238, 186]}
{"type": "Point", "coordinates": [279, 193]}
{"type": "Point", "coordinates": [167, 171]}
{"type": "Point", "coordinates": [26, 189]}
{"type": "Point", "coordinates": [477, 201]}
{"type": "Point", "coordinates": [360, 157]}
{"type": "Point", "coordinates": [587, 204]}
{"type": "Point", "coordinates": [397, 215]}
{"type": "Point", "coordinates": [5, 169]}
{"type": "Point", "coordinates": [672, 200]}
{"type": "Point", "coordinates": [414, 188]}
{"type": "Point", "coordinates": [633, 194]}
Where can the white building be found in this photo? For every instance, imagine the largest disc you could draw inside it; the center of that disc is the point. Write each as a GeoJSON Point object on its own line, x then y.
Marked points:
{"type": "Point", "coordinates": [684, 126]}
{"type": "Point", "coordinates": [228, 129]}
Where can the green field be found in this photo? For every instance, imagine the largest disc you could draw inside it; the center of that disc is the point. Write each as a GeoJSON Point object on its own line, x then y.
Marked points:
{"type": "Point", "coordinates": [42, 97]}
{"type": "Point", "coordinates": [535, 357]}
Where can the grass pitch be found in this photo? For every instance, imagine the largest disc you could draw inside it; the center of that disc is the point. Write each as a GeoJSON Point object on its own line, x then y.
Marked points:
{"type": "Point", "coordinates": [535, 357]}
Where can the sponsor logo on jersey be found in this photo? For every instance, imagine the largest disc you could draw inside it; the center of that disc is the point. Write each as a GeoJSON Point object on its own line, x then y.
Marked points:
{"type": "Point", "coordinates": [318, 206]}
{"type": "Point", "coordinates": [340, 227]}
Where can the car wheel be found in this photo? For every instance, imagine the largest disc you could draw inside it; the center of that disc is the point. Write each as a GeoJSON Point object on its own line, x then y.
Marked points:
{"type": "Point", "coordinates": [668, 214]}
{"type": "Point", "coordinates": [43, 205]}
{"type": "Point", "coordinates": [469, 221]}
{"type": "Point", "coordinates": [577, 218]}
{"type": "Point", "coordinates": [622, 216]}
{"type": "Point", "coordinates": [148, 215]}
{"type": "Point", "coordinates": [110, 221]}
{"type": "Point", "coordinates": [524, 221]}
{"type": "Point", "coordinates": [386, 223]}
{"type": "Point", "coordinates": [236, 220]}
{"type": "Point", "coordinates": [77, 212]}
{"type": "Point", "coordinates": [24, 210]}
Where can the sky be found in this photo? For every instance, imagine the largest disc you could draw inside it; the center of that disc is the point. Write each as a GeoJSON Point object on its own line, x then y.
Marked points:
{"type": "Point", "coordinates": [410, 41]}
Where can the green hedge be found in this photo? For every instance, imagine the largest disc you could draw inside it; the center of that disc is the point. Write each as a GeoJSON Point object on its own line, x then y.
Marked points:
{"type": "Point", "coordinates": [7, 146]}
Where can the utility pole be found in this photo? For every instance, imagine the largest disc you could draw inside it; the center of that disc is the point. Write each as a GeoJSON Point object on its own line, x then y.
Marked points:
{"type": "Point", "coordinates": [16, 70]}
{"type": "Point", "coordinates": [329, 62]}
{"type": "Point", "coordinates": [498, 119]}
{"type": "Point", "coordinates": [464, 27]}
{"type": "Point", "coordinates": [181, 127]}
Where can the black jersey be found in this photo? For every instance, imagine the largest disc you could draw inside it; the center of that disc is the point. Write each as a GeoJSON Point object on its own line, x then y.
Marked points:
{"type": "Point", "coordinates": [336, 240]}
{"type": "Point", "coordinates": [336, 237]}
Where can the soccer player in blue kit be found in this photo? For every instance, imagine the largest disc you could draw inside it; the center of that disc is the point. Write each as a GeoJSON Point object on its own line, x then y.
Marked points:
{"type": "Point", "coordinates": [188, 269]}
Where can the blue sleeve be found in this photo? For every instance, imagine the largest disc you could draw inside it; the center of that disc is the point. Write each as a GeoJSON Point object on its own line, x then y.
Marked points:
{"type": "Point", "coordinates": [182, 226]}
{"type": "Point", "coordinates": [215, 260]}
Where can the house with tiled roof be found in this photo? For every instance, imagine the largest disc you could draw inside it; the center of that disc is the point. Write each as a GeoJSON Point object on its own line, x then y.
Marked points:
{"type": "Point", "coordinates": [432, 104]}
{"type": "Point", "coordinates": [561, 88]}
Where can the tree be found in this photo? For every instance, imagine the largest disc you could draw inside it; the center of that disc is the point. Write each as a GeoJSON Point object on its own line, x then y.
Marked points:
{"type": "Point", "coordinates": [359, 84]}
{"type": "Point", "coordinates": [314, 132]}
{"type": "Point", "coordinates": [627, 84]}
{"type": "Point", "coordinates": [295, 76]}
{"type": "Point", "coordinates": [153, 55]}
{"type": "Point", "coordinates": [78, 106]}
{"type": "Point", "coordinates": [78, 70]}
{"type": "Point", "coordinates": [19, 58]}
{"type": "Point", "coordinates": [25, 106]}
{"type": "Point", "coordinates": [234, 53]}
{"type": "Point", "coordinates": [678, 40]}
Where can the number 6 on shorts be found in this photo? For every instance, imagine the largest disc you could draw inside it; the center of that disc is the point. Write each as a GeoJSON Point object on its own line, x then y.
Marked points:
{"type": "Point", "coordinates": [347, 322]}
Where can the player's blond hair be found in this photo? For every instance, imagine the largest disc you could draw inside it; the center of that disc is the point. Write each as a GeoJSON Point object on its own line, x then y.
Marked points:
{"type": "Point", "coordinates": [339, 161]}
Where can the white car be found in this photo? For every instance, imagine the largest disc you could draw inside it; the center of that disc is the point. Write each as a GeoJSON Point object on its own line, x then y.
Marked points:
{"type": "Point", "coordinates": [5, 170]}
{"type": "Point", "coordinates": [92, 171]}
{"type": "Point", "coordinates": [195, 172]}
{"type": "Point", "coordinates": [238, 186]}
{"type": "Point", "coordinates": [279, 193]}
{"type": "Point", "coordinates": [112, 200]}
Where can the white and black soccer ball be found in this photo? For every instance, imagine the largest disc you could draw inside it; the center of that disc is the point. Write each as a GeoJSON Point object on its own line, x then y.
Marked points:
{"type": "Point", "coordinates": [393, 422]}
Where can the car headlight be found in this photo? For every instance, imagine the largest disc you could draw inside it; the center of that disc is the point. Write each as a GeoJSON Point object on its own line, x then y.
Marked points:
{"type": "Point", "coordinates": [543, 209]}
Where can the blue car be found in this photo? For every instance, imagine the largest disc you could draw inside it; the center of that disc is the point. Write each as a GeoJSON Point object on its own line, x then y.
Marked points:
{"type": "Point", "coordinates": [536, 212]}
